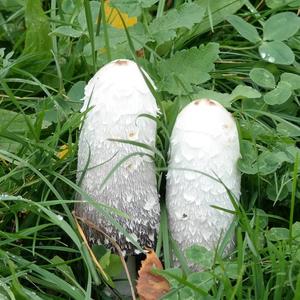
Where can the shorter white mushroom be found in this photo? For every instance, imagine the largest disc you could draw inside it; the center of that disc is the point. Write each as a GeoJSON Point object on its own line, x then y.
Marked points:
{"type": "Point", "coordinates": [204, 138]}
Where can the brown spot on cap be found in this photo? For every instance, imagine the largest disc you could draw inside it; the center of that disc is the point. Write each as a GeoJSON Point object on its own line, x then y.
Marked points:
{"type": "Point", "coordinates": [121, 62]}
{"type": "Point", "coordinates": [196, 102]}
{"type": "Point", "coordinates": [129, 167]}
{"type": "Point", "coordinates": [210, 102]}
{"type": "Point", "coordinates": [131, 134]}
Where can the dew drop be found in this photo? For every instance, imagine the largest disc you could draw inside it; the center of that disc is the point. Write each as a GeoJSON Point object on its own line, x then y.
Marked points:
{"type": "Point", "coordinates": [59, 217]}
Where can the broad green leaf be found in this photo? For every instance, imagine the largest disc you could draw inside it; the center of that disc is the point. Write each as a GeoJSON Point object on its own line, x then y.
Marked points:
{"type": "Point", "coordinates": [185, 16]}
{"type": "Point", "coordinates": [95, 6]}
{"type": "Point", "coordinates": [187, 67]}
{"type": "Point", "coordinates": [200, 255]}
{"type": "Point", "coordinates": [67, 31]}
{"type": "Point", "coordinates": [186, 293]}
{"type": "Point", "coordinates": [2, 295]}
{"type": "Point", "coordinates": [262, 77]}
{"type": "Point", "coordinates": [118, 39]}
{"type": "Point", "coordinates": [278, 234]}
{"type": "Point", "coordinates": [277, 195]}
{"type": "Point", "coordinates": [268, 162]}
{"type": "Point", "coordinates": [115, 266]}
{"type": "Point", "coordinates": [68, 6]}
{"type": "Point", "coordinates": [13, 121]}
{"type": "Point", "coordinates": [252, 129]}
{"type": "Point", "coordinates": [147, 3]}
{"type": "Point", "coordinates": [294, 43]}
{"type": "Point", "coordinates": [63, 267]}
{"type": "Point", "coordinates": [104, 260]}
{"type": "Point", "coordinates": [137, 33]}
{"type": "Point", "coordinates": [247, 164]}
{"type": "Point", "coordinates": [175, 271]}
{"type": "Point", "coordinates": [281, 26]}
{"type": "Point", "coordinates": [115, 20]}
{"type": "Point", "coordinates": [279, 95]}
{"type": "Point", "coordinates": [37, 39]}
{"type": "Point", "coordinates": [294, 3]}
{"type": "Point", "coordinates": [296, 231]}
{"type": "Point", "coordinates": [292, 79]}
{"type": "Point", "coordinates": [229, 269]}
{"type": "Point", "coordinates": [11, 5]}
{"type": "Point", "coordinates": [76, 92]}
{"type": "Point", "coordinates": [297, 256]}
{"type": "Point", "coordinates": [280, 3]}
{"type": "Point", "coordinates": [118, 36]}
{"type": "Point", "coordinates": [223, 98]}
{"type": "Point", "coordinates": [164, 36]}
{"type": "Point", "coordinates": [261, 218]}
{"type": "Point", "coordinates": [99, 250]}
{"type": "Point", "coordinates": [172, 108]}
{"type": "Point", "coordinates": [244, 28]}
{"type": "Point", "coordinates": [111, 263]}
{"type": "Point", "coordinates": [11, 125]}
{"type": "Point", "coordinates": [37, 34]}
{"type": "Point", "coordinates": [216, 12]}
{"type": "Point", "coordinates": [173, 296]}
{"type": "Point", "coordinates": [204, 280]}
{"type": "Point", "coordinates": [276, 52]}
{"type": "Point", "coordinates": [244, 91]}
{"type": "Point", "coordinates": [288, 129]}
{"type": "Point", "coordinates": [292, 151]}
{"type": "Point", "coordinates": [132, 7]}
{"type": "Point", "coordinates": [164, 28]}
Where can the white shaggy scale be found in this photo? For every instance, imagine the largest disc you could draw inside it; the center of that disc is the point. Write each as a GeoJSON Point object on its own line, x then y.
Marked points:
{"type": "Point", "coordinates": [117, 95]}
{"type": "Point", "coordinates": [205, 139]}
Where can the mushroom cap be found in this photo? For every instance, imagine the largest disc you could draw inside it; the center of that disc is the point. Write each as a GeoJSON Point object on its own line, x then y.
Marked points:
{"type": "Point", "coordinates": [125, 76]}
{"type": "Point", "coordinates": [117, 96]}
{"type": "Point", "coordinates": [205, 139]}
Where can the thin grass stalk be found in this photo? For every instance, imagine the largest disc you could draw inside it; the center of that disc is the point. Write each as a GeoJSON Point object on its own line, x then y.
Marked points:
{"type": "Point", "coordinates": [293, 197]}
{"type": "Point", "coordinates": [105, 31]}
{"type": "Point", "coordinates": [90, 25]}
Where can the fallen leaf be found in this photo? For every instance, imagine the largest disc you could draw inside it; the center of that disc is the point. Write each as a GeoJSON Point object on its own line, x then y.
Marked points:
{"type": "Point", "coordinates": [114, 19]}
{"type": "Point", "coordinates": [63, 151]}
{"type": "Point", "coordinates": [140, 53]}
{"type": "Point", "coordinates": [151, 286]}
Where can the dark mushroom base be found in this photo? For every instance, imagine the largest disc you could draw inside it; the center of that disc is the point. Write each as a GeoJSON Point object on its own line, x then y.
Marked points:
{"type": "Point", "coordinates": [100, 232]}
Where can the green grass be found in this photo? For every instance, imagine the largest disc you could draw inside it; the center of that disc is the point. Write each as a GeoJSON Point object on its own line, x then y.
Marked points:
{"type": "Point", "coordinates": [47, 55]}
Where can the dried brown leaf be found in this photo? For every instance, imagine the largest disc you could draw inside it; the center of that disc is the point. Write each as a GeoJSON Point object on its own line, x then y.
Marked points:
{"type": "Point", "coordinates": [151, 286]}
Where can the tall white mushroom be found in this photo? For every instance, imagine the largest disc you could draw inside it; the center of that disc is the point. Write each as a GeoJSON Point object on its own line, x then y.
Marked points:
{"type": "Point", "coordinates": [204, 138]}
{"type": "Point", "coordinates": [118, 95]}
